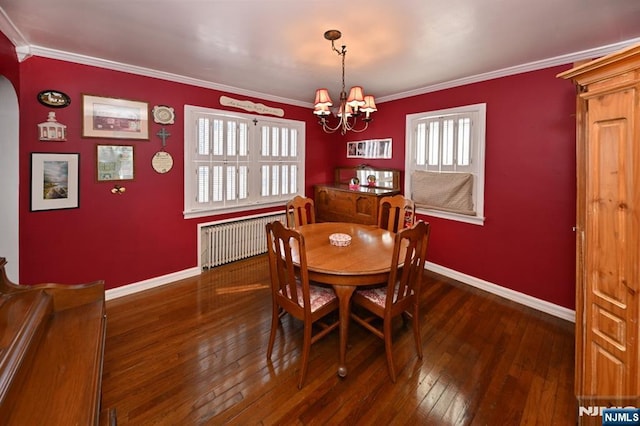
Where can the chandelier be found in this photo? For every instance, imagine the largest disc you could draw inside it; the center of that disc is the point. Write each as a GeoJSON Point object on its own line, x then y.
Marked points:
{"type": "Point", "coordinates": [351, 108]}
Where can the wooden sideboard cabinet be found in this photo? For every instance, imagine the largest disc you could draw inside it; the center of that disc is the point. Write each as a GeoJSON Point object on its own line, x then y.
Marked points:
{"type": "Point", "coordinates": [344, 202]}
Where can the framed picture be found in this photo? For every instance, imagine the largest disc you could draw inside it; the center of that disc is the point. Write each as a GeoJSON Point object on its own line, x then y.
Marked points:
{"type": "Point", "coordinates": [114, 118]}
{"type": "Point", "coordinates": [54, 181]}
{"type": "Point", "coordinates": [114, 162]}
{"type": "Point", "coordinates": [374, 148]}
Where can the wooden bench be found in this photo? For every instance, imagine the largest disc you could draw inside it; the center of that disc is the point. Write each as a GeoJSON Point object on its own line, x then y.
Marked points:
{"type": "Point", "coordinates": [51, 353]}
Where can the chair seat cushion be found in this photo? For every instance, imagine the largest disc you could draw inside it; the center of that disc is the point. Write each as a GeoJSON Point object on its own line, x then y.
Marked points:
{"type": "Point", "coordinates": [318, 296]}
{"type": "Point", "coordinates": [377, 295]}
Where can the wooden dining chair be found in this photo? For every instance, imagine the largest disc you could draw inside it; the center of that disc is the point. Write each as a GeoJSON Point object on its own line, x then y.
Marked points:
{"type": "Point", "coordinates": [401, 295]}
{"type": "Point", "coordinates": [300, 211]}
{"type": "Point", "coordinates": [396, 212]}
{"type": "Point", "coordinates": [291, 291]}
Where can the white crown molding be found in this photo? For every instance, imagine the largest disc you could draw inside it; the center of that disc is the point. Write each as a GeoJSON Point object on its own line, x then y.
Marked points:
{"type": "Point", "coordinates": [518, 69]}
{"type": "Point", "coordinates": [10, 30]}
{"type": "Point", "coordinates": [117, 66]}
{"type": "Point", "coordinates": [147, 72]}
{"type": "Point", "coordinates": [15, 36]}
{"type": "Point", "coordinates": [515, 296]}
{"type": "Point", "coordinates": [24, 51]}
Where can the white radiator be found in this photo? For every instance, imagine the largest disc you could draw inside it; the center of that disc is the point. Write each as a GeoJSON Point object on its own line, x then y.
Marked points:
{"type": "Point", "coordinates": [225, 242]}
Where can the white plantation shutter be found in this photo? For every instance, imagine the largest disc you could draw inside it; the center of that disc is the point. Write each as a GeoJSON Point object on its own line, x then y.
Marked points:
{"type": "Point", "coordinates": [444, 143]}
{"type": "Point", "coordinates": [280, 164]}
{"type": "Point", "coordinates": [445, 162]}
{"type": "Point", "coordinates": [222, 170]}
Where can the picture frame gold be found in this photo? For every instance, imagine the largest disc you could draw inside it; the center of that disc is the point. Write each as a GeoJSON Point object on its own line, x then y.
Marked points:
{"type": "Point", "coordinates": [114, 118]}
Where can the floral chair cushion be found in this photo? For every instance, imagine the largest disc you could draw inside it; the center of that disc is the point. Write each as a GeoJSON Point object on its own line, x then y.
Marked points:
{"type": "Point", "coordinates": [319, 296]}
{"type": "Point", "coordinates": [377, 295]}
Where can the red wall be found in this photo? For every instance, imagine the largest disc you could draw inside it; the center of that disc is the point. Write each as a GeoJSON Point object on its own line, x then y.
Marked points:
{"type": "Point", "coordinates": [119, 238]}
{"type": "Point", "coordinates": [526, 244]}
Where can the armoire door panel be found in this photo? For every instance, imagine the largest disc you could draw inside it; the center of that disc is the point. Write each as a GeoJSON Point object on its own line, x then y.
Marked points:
{"type": "Point", "coordinates": [610, 327]}
{"type": "Point", "coordinates": [609, 225]}
{"type": "Point", "coordinates": [612, 376]}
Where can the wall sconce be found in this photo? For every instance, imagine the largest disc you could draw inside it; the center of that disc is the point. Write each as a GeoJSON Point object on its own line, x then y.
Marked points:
{"type": "Point", "coordinates": [117, 189]}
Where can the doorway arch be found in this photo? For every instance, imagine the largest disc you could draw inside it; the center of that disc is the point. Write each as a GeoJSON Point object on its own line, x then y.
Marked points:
{"type": "Point", "coordinates": [9, 176]}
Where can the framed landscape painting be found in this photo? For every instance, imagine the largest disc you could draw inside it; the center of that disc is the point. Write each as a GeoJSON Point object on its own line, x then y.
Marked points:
{"type": "Point", "coordinates": [114, 118]}
{"type": "Point", "coordinates": [54, 181]}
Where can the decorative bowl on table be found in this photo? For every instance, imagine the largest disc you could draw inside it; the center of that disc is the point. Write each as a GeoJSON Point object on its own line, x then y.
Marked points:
{"type": "Point", "coordinates": [340, 240]}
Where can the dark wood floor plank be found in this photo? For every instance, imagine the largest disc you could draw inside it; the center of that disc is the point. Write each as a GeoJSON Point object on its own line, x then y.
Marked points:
{"type": "Point", "coordinates": [474, 385]}
{"type": "Point", "coordinates": [436, 357]}
{"type": "Point", "coordinates": [505, 353]}
{"type": "Point", "coordinates": [564, 396]}
{"type": "Point", "coordinates": [194, 353]}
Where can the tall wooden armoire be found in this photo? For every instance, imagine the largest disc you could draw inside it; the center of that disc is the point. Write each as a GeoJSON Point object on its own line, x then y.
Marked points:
{"type": "Point", "coordinates": [608, 230]}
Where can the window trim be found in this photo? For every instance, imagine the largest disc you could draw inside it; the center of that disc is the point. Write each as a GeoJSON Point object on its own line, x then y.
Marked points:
{"type": "Point", "coordinates": [188, 185]}
{"type": "Point", "coordinates": [479, 133]}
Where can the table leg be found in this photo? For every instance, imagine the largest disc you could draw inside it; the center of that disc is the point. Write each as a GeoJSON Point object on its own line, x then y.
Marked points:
{"type": "Point", "coordinates": [344, 293]}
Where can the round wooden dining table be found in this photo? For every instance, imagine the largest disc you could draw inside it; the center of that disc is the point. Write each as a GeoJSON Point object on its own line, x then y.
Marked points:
{"type": "Point", "coordinates": [365, 261]}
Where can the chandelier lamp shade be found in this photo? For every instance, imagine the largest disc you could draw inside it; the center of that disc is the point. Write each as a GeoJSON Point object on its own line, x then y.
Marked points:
{"type": "Point", "coordinates": [354, 111]}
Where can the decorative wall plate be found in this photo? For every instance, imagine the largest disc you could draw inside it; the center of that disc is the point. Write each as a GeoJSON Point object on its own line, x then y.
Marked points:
{"type": "Point", "coordinates": [162, 162]}
{"type": "Point", "coordinates": [54, 99]}
{"type": "Point", "coordinates": [163, 114]}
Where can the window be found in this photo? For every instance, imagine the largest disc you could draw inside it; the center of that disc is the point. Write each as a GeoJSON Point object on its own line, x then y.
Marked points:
{"type": "Point", "coordinates": [445, 162]}
{"type": "Point", "coordinates": [236, 161]}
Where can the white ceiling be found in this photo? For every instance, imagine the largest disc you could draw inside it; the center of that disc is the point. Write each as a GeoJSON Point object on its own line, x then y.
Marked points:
{"type": "Point", "coordinates": [276, 48]}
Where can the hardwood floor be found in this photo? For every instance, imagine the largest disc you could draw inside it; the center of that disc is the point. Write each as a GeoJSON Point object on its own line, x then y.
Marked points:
{"type": "Point", "coordinates": [193, 352]}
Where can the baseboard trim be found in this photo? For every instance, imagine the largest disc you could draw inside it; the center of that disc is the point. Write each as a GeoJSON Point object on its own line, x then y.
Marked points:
{"type": "Point", "coordinates": [133, 288]}
{"type": "Point", "coordinates": [516, 296]}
